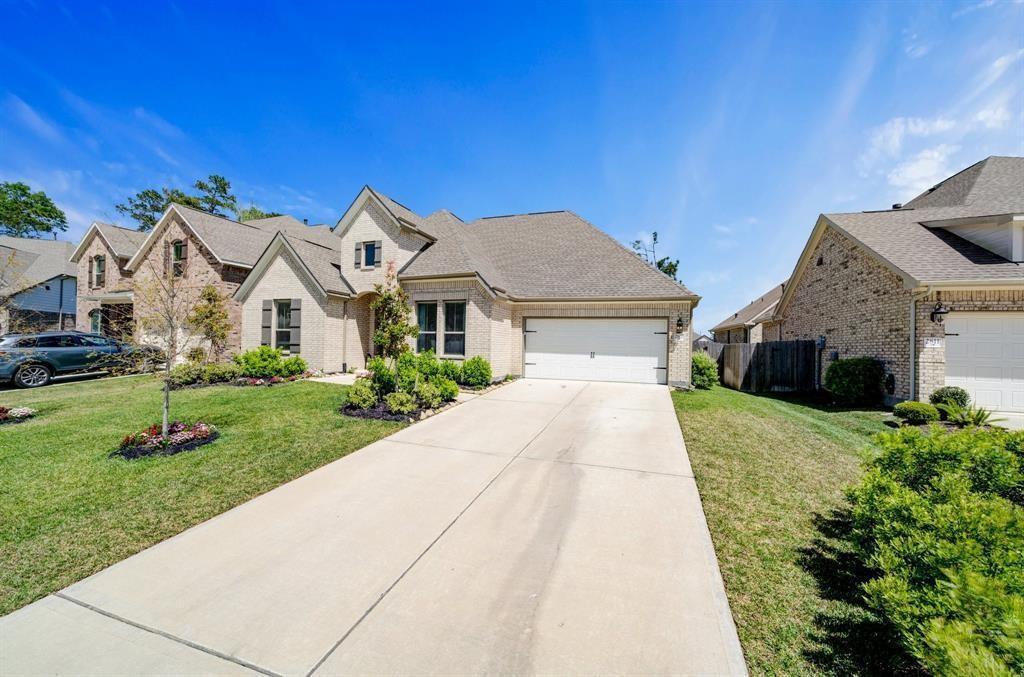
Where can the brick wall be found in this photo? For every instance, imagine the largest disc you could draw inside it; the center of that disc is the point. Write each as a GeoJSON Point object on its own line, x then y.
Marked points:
{"type": "Point", "coordinates": [771, 331]}
{"type": "Point", "coordinates": [479, 324]}
{"type": "Point", "coordinates": [737, 335]}
{"type": "Point", "coordinates": [117, 279]}
{"type": "Point", "coordinates": [398, 245]}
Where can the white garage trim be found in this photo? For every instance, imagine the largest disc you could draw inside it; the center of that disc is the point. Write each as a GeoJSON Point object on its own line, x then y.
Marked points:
{"type": "Point", "coordinates": [985, 356]}
{"type": "Point", "coordinates": [632, 349]}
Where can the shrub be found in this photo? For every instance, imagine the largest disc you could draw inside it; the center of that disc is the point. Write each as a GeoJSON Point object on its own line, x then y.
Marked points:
{"type": "Point", "coordinates": [362, 394]}
{"type": "Point", "coordinates": [916, 412]}
{"type": "Point", "coordinates": [221, 372]}
{"type": "Point", "coordinates": [951, 395]}
{"type": "Point", "coordinates": [856, 380]}
{"type": "Point", "coordinates": [292, 366]}
{"type": "Point", "coordinates": [406, 374]}
{"type": "Point", "coordinates": [196, 355]}
{"type": "Point", "coordinates": [451, 369]}
{"type": "Point", "coordinates": [185, 374]}
{"type": "Point", "coordinates": [259, 362]}
{"type": "Point", "coordinates": [476, 372]}
{"type": "Point", "coordinates": [382, 377]}
{"type": "Point", "coordinates": [400, 403]}
{"type": "Point", "coordinates": [938, 521]}
{"type": "Point", "coordinates": [427, 395]}
{"type": "Point", "coordinates": [967, 416]}
{"type": "Point", "coordinates": [447, 388]}
{"type": "Point", "coordinates": [705, 371]}
{"type": "Point", "coordinates": [427, 364]}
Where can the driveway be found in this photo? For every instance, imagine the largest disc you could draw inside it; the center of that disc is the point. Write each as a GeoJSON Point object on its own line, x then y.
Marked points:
{"type": "Point", "coordinates": [547, 527]}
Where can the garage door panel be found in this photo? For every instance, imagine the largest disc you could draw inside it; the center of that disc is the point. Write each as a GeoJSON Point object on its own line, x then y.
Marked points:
{"type": "Point", "coordinates": [985, 356]}
{"type": "Point", "coordinates": [629, 350]}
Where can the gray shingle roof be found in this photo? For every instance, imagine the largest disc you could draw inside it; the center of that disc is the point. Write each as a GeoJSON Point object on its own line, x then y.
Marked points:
{"type": "Point", "coordinates": [549, 255]}
{"type": "Point", "coordinates": [401, 212]}
{"type": "Point", "coordinates": [754, 312]}
{"type": "Point", "coordinates": [229, 240]}
{"type": "Point", "coordinates": [124, 241]}
{"type": "Point", "coordinates": [323, 262]}
{"type": "Point", "coordinates": [993, 187]}
{"type": "Point", "coordinates": [25, 262]}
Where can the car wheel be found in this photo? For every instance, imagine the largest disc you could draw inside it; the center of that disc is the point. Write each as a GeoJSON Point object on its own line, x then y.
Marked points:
{"type": "Point", "coordinates": [32, 376]}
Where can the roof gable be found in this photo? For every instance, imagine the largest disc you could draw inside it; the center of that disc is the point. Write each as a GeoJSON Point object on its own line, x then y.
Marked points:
{"type": "Point", "coordinates": [758, 310]}
{"type": "Point", "coordinates": [26, 262]}
{"type": "Point", "coordinates": [401, 215]}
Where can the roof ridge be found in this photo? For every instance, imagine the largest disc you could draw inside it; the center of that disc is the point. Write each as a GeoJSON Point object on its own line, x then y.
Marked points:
{"type": "Point", "coordinates": [217, 216]}
{"type": "Point", "coordinates": [512, 216]}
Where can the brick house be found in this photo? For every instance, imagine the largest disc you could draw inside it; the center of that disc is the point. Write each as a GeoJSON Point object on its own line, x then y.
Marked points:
{"type": "Point", "coordinates": [933, 288]}
{"type": "Point", "coordinates": [747, 325]}
{"type": "Point", "coordinates": [545, 295]}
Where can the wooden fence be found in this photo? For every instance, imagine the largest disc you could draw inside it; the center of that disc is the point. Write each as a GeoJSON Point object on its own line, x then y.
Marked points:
{"type": "Point", "coordinates": [775, 366]}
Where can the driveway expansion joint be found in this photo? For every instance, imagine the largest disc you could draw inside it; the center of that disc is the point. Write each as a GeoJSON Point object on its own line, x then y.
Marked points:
{"type": "Point", "coordinates": [166, 635]}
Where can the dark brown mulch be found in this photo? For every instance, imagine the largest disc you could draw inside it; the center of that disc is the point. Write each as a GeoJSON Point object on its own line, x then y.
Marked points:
{"type": "Point", "coordinates": [380, 412]}
{"type": "Point", "coordinates": [12, 421]}
{"type": "Point", "coordinates": [131, 453]}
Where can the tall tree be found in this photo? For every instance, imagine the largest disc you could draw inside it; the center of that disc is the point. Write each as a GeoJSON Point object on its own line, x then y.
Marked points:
{"type": "Point", "coordinates": [252, 213]}
{"type": "Point", "coordinates": [147, 206]}
{"type": "Point", "coordinates": [27, 214]}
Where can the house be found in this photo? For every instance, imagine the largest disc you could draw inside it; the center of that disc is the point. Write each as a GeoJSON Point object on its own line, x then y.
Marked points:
{"type": "Point", "coordinates": [702, 342]}
{"type": "Point", "coordinates": [544, 295]}
{"type": "Point", "coordinates": [105, 293]}
{"type": "Point", "coordinates": [934, 288]}
{"type": "Point", "coordinates": [747, 325]}
{"type": "Point", "coordinates": [37, 284]}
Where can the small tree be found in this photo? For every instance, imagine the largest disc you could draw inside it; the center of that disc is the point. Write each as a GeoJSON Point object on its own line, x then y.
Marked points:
{"type": "Point", "coordinates": [210, 320]}
{"type": "Point", "coordinates": [253, 213]}
{"type": "Point", "coordinates": [164, 304]}
{"type": "Point", "coordinates": [650, 254]}
{"type": "Point", "coordinates": [392, 312]}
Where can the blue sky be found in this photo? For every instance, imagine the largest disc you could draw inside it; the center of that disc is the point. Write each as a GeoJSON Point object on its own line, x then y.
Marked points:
{"type": "Point", "coordinates": [727, 128]}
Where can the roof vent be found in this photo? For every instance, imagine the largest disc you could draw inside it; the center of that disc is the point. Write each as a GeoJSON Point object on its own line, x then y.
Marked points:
{"type": "Point", "coordinates": [898, 205]}
{"type": "Point", "coordinates": [305, 222]}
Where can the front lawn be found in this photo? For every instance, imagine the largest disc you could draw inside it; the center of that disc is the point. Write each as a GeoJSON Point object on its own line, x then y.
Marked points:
{"type": "Point", "coordinates": [68, 510]}
{"type": "Point", "coordinates": [771, 473]}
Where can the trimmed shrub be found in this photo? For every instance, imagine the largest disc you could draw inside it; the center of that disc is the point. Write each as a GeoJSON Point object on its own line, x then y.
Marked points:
{"type": "Point", "coordinates": [185, 374]}
{"type": "Point", "coordinates": [362, 394]}
{"type": "Point", "coordinates": [856, 380]}
{"type": "Point", "coordinates": [450, 369]}
{"type": "Point", "coordinates": [292, 366]}
{"type": "Point", "coordinates": [427, 395]}
{"type": "Point", "coordinates": [427, 364]}
{"type": "Point", "coordinates": [916, 412]}
{"type": "Point", "coordinates": [950, 395]}
{"type": "Point", "coordinates": [259, 362]}
{"type": "Point", "coordinates": [704, 371]}
{"type": "Point", "coordinates": [447, 388]}
{"type": "Point", "coordinates": [382, 377]}
{"type": "Point", "coordinates": [476, 372]}
{"type": "Point", "coordinates": [221, 372]}
{"type": "Point", "coordinates": [400, 403]}
{"type": "Point", "coordinates": [406, 372]}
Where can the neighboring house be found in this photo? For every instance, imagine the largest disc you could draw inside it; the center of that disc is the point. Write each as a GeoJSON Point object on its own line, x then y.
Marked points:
{"type": "Point", "coordinates": [748, 324]}
{"type": "Point", "coordinates": [37, 284]}
{"type": "Point", "coordinates": [105, 283]}
{"type": "Point", "coordinates": [544, 295]}
{"type": "Point", "coordinates": [934, 288]}
{"type": "Point", "coordinates": [702, 342]}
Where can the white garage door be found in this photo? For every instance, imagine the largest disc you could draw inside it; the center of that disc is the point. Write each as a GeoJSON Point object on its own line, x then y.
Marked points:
{"type": "Point", "coordinates": [985, 356]}
{"type": "Point", "coordinates": [630, 350]}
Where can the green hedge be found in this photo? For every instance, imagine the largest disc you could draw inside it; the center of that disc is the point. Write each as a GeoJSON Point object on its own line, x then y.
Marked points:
{"type": "Point", "coordinates": [856, 380]}
{"type": "Point", "coordinates": [704, 372]}
{"type": "Point", "coordinates": [429, 381]}
{"type": "Point", "coordinates": [265, 362]}
{"type": "Point", "coordinates": [938, 520]}
{"type": "Point", "coordinates": [916, 412]}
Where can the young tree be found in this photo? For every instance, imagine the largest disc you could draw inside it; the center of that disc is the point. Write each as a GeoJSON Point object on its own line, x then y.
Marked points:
{"type": "Point", "coordinates": [252, 213]}
{"type": "Point", "coordinates": [209, 319]}
{"type": "Point", "coordinates": [27, 214]}
{"type": "Point", "coordinates": [391, 313]}
{"type": "Point", "coordinates": [147, 206]}
{"type": "Point", "coordinates": [164, 304]}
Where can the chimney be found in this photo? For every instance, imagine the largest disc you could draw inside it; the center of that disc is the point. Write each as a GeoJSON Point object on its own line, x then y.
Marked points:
{"type": "Point", "coordinates": [898, 205]}
{"type": "Point", "coordinates": [305, 222]}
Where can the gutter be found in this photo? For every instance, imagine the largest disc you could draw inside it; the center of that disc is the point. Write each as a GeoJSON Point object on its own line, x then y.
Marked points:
{"type": "Point", "coordinates": [914, 298]}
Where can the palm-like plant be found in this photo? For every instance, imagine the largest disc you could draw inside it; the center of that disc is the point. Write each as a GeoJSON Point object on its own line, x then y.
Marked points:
{"type": "Point", "coordinates": [965, 417]}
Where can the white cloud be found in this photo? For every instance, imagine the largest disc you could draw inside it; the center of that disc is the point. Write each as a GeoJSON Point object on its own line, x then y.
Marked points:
{"type": "Point", "coordinates": [886, 140]}
{"type": "Point", "coordinates": [913, 46]}
{"type": "Point", "coordinates": [158, 123]}
{"type": "Point", "coordinates": [994, 73]}
{"type": "Point", "coordinates": [923, 170]}
{"type": "Point", "coordinates": [719, 228]}
{"type": "Point", "coordinates": [994, 117]}
{"type": "Point", "coordinates": [33, 120]}
{"type": "Point", "coordinates": [967, 9]}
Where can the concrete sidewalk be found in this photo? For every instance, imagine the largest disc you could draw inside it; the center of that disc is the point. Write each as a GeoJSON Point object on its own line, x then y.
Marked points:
{"type": "Point", "coordinates": [546, 527]}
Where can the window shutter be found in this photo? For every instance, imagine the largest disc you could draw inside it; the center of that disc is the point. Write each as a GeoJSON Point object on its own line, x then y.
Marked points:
{"type": "Point", "coordinates": [296, 334]}
{"type": "Point", "coordinates": [90, 272]}
{"type": "Point", "coordinates": [376, 254]}
{"type": "Point", "coordinates": [184, 252]}
{"type": "Point", "coordinates": [359, 254]}
{"type": "Point", "coordinates": [268, 322]}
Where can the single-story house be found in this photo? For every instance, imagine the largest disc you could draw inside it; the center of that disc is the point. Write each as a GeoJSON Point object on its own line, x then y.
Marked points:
{"type": "Point", "coordinates": [934, 288]}
{"type": "Point", "coordinates": [544, 295]}
{"type": "Point", "coordinates": [702, 342]}
{"type": "Point", "coordinates": [37, 284]}
{"type": "Point", "coordinates": [747, 325]}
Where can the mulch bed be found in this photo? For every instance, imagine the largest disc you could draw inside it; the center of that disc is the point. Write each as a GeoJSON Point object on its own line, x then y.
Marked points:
{"type": "Point", "coordinates": [141, 451]}
{"type": "Point", "coordinates": [12, 421]}
{"type": "Point", "coordinates": [241, 383]}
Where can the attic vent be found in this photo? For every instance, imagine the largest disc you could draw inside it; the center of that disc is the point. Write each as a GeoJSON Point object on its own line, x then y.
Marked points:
{"type": "Point", "coordinates": [898, 205]}
{"type": "Point", "coordinates": [821, 260]}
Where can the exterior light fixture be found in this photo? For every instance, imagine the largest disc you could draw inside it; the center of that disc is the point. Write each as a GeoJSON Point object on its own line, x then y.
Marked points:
{"type": "Point", "coordinates": [939, 313]}
{"type": "Point", "coordinates": [679, 325]}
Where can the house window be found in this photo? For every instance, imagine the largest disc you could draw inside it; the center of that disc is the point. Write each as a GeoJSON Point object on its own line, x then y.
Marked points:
{"type": "Point", "coordinates": [369, 254]}
{"type": "Point", "coordinates": [179, 252]}
{"type": "Point", "coordinates": [96, 322]}
{"type": "Point", "coordinates": [426, 318]}
{"type": "Point", "coordinates": [455, 328]}
{"type": "Point", "coordinates": [283, 326]}
{"type": "Point", "coordinates": [100, 270]}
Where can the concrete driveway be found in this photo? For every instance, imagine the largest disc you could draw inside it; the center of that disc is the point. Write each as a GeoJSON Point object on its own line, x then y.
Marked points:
{"type": "Point", "coordinates": [545, 528]}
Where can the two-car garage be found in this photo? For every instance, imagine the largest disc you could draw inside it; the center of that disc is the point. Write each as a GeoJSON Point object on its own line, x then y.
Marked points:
{"type": "Point", "coordinates": [632, 350]}
{"type": "Point", "coordinates": [985, 356]}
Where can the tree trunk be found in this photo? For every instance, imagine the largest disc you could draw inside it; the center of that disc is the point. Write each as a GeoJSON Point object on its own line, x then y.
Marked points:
{"type": "Point", "coordinates": [167, 398]}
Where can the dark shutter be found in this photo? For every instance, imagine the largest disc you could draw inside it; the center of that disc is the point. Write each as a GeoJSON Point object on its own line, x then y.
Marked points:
{"type": "Point", "coordinates": [296, 325]}
{"type": "Point", "coordinates": [184, 253]}
{"type": "Point", "coordinates": [376, 254]}
{"type": "Point", "coordinates": [359, 254]}
{"type": "Point", "coordinates": [90, 273]}
{"type": "Point", "coordinates": [268, 322]}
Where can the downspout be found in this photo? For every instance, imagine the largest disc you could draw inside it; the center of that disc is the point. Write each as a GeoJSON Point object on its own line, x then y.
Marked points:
{"type": "Point", "coordinates": [60, 305]}
{"type": "Point", "coordinates": [914, 298]}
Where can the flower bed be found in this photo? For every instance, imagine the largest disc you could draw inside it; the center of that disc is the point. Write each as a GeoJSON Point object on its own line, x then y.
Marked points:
{"type": "Point", "coordinates": [15, 415]}
{"type": "Point", "coordinates": [180, 437]}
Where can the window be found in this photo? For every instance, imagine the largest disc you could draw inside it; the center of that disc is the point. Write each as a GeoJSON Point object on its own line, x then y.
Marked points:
{"type": "Point", "coordinates": [426, 317]}
{"type": "Point", "coordinates": [100, 270]}
{"type": "Point", "coordinates": [96, 322]}
{"type": "Point", "coordinates": [49, 341]}
{"type": "Point", "coordinates": [179, 252]}
{"type": "Point", "coordinates": [455, 328]}
{"type": "Point", "coordinates": [283, 328]}
{"type": "Point", "coordinates": [369, 254]}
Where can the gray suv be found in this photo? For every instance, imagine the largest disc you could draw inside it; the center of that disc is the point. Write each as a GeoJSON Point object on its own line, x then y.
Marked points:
{"type": "Point", "coordinates": [31, 360]}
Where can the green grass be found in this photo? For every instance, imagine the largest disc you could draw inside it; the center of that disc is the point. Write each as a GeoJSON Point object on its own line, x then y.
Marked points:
{"type": "Point", "coordinates": [67, 509]}
{"type": "Point", "coordinates": [771, 474]}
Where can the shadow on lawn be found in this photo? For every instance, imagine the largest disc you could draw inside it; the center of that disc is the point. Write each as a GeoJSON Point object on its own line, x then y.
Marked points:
{"type": "Point", "coordinates": [821, 401]}
{"type": "Point", "coordinates": [850, 638]}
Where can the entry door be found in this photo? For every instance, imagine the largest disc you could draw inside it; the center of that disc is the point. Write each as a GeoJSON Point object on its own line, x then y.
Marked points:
{"type": "Point", "coordinates": [628, 350]}
{"type": "Point", "coordinates": [985, 356]}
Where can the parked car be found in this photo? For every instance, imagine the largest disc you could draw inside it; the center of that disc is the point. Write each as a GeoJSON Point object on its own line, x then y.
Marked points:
{"type": "Point", "coordinates": [31, 360]}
